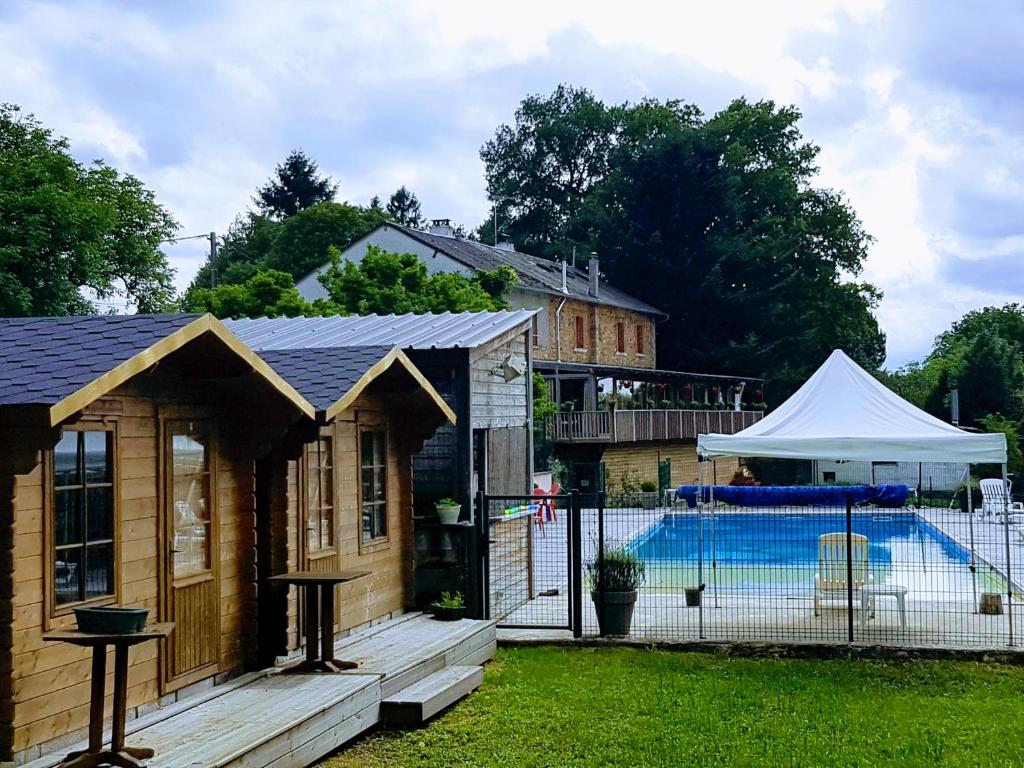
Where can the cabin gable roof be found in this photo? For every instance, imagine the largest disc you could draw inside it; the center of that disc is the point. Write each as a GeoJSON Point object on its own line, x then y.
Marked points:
{"type": "Point", "coordinates": [65, 363]}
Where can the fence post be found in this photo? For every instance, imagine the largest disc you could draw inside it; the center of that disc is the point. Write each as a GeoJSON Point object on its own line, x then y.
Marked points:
{"type": "Point", "coordinates": [1009, 564]}
{"type": "Point", "coordinates": [482, 559]}
{"type": "Point", "coordinates": [576, 563]}
{"type": "Point", "coordinates": [849, 566]}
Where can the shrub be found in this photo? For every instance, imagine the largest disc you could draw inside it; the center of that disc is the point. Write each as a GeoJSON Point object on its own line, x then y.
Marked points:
{"type": "Point", "coordinates": [618, 571]}
{"type": "Point", "coordinates": [449, 600]}
{"type": "Point", "coordinates": [648, 486]}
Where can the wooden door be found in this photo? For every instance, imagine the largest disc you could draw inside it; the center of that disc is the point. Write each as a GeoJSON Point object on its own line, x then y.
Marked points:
{"type": "Point", "coordinates": [191, 590]}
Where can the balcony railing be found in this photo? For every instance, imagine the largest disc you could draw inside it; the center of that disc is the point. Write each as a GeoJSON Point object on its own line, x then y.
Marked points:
{"type": "Point", "coordinates": [634, 426]}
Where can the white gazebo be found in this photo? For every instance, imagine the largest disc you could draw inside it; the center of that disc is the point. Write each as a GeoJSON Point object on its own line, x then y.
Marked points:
{"type": "Point", "coordinates": [843, 413]}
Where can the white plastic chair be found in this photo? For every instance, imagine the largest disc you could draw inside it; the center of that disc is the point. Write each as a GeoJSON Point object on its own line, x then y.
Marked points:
{"type": "Point", "coordinates": [996, 500]}
{"type": "Point", "coordinates": [830, 580]}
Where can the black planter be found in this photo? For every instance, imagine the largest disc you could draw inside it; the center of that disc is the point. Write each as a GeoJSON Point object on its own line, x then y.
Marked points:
{"type": "Point", "coordinates": [111, 620]}
{"type": "Point", "coordinates": [614, 611]}
{"type": "Point", "coordinates": [692, 597]}
{"type": "Point", "coordinates": [448, 614]}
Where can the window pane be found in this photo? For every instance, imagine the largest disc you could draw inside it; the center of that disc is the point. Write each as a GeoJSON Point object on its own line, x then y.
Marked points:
{"type": "Point", "coordinates": [312, 483]}
{"type": "Point", "coordinates": [99, 570]}
{"type": "Point", "coordinates": [66, 572]}
{"type": "Point", "coordinates": [65, 460]}
{"type": "Point", "coordinates": [191, 545]}
{"type": "Point", "coordinates": [366, 448]}
{"type": "Point", "coordinates": [367, 521]}
{"type": "Point", "coordinates": [190, 499]}
{"type": "Point", "coordinates": [368, 484]}
{"type": "Point", "coordinates": [97, 456]}
{"type": "Point", "coordinates": [378, 484]}
{"type": "Point", "coordinates": [67, 517]}
{"type": "Point", "coordinates": [189, 454]}
{"type": "Point", "coordinates": [381, 523]}
{"type": "Point", "coordinates": [191, 503]}
{"type": "Point", "coordinates": [99, 513]}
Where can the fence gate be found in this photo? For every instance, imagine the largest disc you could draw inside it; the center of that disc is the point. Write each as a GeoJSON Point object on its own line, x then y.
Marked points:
{"type": "Point", "coordinates": [531, 562]}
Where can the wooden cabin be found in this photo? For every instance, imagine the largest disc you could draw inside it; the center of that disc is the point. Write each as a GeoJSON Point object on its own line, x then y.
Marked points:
{"type": "Point", "coordinates": [157, 461]}
{"type": "Point", "coordinates": [481, 364]}
{"type": "Point", "coordinates": [339, 494]}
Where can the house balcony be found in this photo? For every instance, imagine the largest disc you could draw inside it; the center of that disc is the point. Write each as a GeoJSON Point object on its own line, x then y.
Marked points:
{"type": "Point", "coordinates": [637, 426]}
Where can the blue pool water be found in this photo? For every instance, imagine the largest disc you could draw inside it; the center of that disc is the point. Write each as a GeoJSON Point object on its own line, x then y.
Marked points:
{"type": "Point", "coordinates": [777, 554]}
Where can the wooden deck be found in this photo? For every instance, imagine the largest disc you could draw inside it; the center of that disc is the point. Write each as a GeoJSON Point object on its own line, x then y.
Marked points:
{"type": "Point", "coordinates": [271, 720]}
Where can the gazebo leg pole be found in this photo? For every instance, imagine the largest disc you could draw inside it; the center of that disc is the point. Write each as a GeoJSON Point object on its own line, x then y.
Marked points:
{"type": "Point", "coordinates": [1006, 537]}
{"type": "Point", "coordinates": [970, 523]}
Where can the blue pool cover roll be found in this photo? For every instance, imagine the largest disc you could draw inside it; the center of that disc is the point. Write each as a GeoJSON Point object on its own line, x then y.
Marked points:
{"type": "Point", "coordinates": [884, 495]}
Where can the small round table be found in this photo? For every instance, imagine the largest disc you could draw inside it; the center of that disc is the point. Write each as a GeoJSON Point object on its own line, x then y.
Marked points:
{"type": "Point", "coordinates": [869, 592]}
{"type": "Point", "coordinates": [118, 754]}
{"type": "Point", "coordinates": [319, 600]}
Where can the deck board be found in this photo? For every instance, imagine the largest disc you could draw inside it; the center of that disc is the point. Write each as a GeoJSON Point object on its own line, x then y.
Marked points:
{"type": "Point", "coordinates": [277, 720]}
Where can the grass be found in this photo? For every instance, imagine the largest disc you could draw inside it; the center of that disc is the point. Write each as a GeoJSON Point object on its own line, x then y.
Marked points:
{"type": "Point", "coordinates": [626, 707]}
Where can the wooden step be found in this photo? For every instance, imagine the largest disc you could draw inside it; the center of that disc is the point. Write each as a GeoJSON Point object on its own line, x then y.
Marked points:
{"type": "Point", "coordinates": [425, 698]}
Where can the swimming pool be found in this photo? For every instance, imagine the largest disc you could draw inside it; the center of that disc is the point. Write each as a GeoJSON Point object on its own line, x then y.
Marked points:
{"type": "Point", "coordinates": [776, 554]}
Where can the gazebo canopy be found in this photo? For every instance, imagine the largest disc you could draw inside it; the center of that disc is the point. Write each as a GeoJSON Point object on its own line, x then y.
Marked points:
{"type": "Point", "coordinates": [844, 413]}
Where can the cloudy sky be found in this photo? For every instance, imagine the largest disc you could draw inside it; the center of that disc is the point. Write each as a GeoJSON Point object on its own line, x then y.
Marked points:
{"type": "Point", "coordinates": [916, 105]}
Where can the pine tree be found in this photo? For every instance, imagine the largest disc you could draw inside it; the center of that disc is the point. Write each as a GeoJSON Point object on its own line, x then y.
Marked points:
{"type": "Point", "coordinates": [404, 208]}
{"type": "Point", "coordinates": [296, 185]}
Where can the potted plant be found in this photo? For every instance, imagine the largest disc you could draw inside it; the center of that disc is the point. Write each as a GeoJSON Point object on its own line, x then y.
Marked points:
{"type": "Point", "coordinates": [450, 607]}
{"type": "Point", "coordinates": [448, 510]}
{"type": "Point", "coordinates": [696, 405]}
{"type": "Point", "coordinates": [614, 580]}
{"type": "Point", "coordinates": [110, 619]}
{"type": "Point", "coordinates": [648, 494]}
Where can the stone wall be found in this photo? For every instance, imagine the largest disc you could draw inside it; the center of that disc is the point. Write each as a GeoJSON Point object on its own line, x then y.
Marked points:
{"type": "Point", "coordinates": [600, 334]}
{"type": "Point", "coordinates": [623, 460]}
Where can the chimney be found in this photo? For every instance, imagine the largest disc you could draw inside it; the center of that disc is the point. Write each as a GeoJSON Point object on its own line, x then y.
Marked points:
{"type": "Point", "coordinates": [506, 245]}
{"type": "Point", "coordinates": [594, 273]}
{"type": "Point", "coordinates": [441, 227]}
{"type": "Point", "coordinates": [565, 284]}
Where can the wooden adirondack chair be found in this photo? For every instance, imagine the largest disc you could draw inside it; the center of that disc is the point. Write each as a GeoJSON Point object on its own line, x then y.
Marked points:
{"type": "Point", "coordinates": [830, 580]}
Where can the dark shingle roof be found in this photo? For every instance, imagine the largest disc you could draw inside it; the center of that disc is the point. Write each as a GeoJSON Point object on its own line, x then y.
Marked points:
{"type": "Point", "coordinates": [43, 360]}
{"type": "Point", "coordinates": [534, 272]}
{"type": "Point", "coordinates": [323, 376]}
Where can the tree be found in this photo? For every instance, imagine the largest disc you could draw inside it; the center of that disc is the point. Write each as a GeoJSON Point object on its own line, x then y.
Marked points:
{"type": "Point", "coordinates": [295, 186]}
{"type": "Point", "coordinates": [989, 380]}
{"type": "Point", "coordinates": [404, 208]}
{"type": "Point", "coordinates": [241, 253]}
{"type": "Point", "coordinates": [268, 293]}
{"type": "Point", "coordinates": [394, 283]}
{"type": "Point", "coordinates": [753, 262]}
{"type": "Point", "coordinates": [66, 228]}
{"type": "Point", "coordinates": [301, 242]}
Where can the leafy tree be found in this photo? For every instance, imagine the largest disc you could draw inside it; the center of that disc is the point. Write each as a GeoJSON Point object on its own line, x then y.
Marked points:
{"type": "Point", "coordinates": [393, 283]}
{"type": "Point", "coordinates": [376, 204]}
{"type": "Point", "coordinates": [989, 379]}
{"type": "Point", "coordinates": [241, 253]}
{"type": "Point", "coordinates": [752, 262]}
{"type": "Point", "coordinates": [268, 293]}
{"type": "Point", "coordinates": [295, 186]}
{"type": "Point", "coordinates": [404, 208]}
{"type": "Point", "coordinates": [302, 241]}
{"type": "Point", "coordinates": [66, 228]}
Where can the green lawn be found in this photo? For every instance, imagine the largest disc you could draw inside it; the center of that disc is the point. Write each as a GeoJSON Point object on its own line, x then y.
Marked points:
{"type": "Point", "coordinates": [619, 706]}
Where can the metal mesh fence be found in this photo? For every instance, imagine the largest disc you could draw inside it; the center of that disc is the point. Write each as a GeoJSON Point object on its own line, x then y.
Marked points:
{"type": "Point", "coordinates": [925, 573]}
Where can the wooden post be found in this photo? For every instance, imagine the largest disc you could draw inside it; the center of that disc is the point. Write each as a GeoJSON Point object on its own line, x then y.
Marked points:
{"type": "Point", "coordinates": [311, 622]}
{"type": "Point", "coordinates": [120, 697]}
{"type": "Point", "coordinates": [99, 679]}
{"type": "Point", "coordinates": [326, 620]}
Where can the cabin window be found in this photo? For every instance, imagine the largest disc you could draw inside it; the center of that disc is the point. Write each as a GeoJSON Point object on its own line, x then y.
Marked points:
{"type": "Point", "coordinates": [641, 348]}
{"type": "Point", "coordinates": [535, 331]}
{"type": "Point", "coordinates": [373, 470]}
{"type": "Point", "coordinates": [320, 494]}
{"type": "Point", "coordinates": [581, 334]}
{"type": "Point", "coordinates": [191, 478]}
{"type": "Point", "coordinates": [83, 516]}
{"type": "Point", "coordinates": [620, 338]}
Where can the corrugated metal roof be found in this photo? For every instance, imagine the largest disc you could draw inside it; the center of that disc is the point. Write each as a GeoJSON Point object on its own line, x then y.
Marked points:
{"type": "Point", "coordinates": [451, 330]}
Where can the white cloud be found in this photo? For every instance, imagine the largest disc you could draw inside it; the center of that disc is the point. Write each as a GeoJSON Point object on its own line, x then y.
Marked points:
{"type": "Point", "coordinates": [201, 106]}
